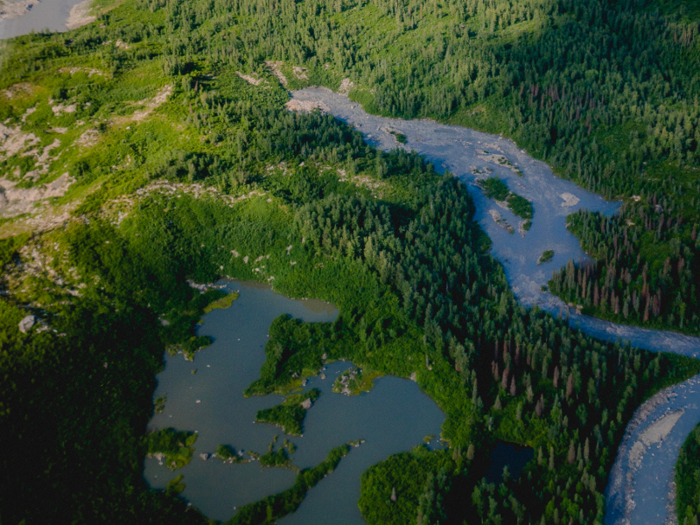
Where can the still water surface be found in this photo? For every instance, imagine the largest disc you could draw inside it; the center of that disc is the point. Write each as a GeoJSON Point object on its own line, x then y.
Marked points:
{"type": "Point", "coordinates": [393, 417]}
{"type": "Point", "coordinates": [510, 455]}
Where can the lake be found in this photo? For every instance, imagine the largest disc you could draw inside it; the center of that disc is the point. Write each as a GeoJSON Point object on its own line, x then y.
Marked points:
{"type": "Point", "coordinates": [394, 417]}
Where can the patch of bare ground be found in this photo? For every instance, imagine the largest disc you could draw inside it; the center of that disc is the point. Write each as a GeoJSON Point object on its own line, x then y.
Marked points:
{"type": "Point", "coordinates": [160, 98]}
{"type": "Point", "coordinates": [569, 200]}
{"type": "Point", "coordinates": [307, 106]}
{"type": "Point", "coordinates": [17, 201]}
{"type": "Point", "coordinates": [73, 70]}
{"type": "Point", "coordinates": [275, 68]}
{"type": "Point", "coordinates": [14, 140]}
{"type": "Point", "coordinates": [345, 87]}
{"type": "Point", "coordinates": [80, 15]}
{"type": "Point", "coordinates": [254, 80]}
{"type": "Point", "coordinates": [18, 89]}
{"type": "Point", "coordinates": [9, 10]}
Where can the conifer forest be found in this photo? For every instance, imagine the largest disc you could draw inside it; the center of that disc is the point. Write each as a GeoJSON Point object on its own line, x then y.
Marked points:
{"type": "Point", "coordinates": [151, 150]}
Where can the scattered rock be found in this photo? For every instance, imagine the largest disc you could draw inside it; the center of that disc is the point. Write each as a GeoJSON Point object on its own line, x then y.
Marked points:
{"type": "Point", "coordinates": [345, 87]}
{"type": "Point", "coordinates": [300, 73]}
{"type": "Point", "coordinates": [73, 70]}
{"type": "Point", "coordinates": [88, 138]}
{"type": "Point", "coordinates": [307, 106]}
{"type": "Point", "coordinates": [61, 108]}
{"type": "Point", "coordinates": [569, 200]}
{"type": "Point", "coordinates": [15, 201]}
{"type": "Point", "coordinates": [13, 140]}
{"type": "Point", "coordinates": [253, 80]}
{"type": "Point", "coordinates": [80, 15]}
{"type": "Point", "coordinates": [275, 69]}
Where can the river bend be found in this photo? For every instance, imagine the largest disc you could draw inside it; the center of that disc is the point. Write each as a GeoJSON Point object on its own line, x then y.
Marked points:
{"type": "Point", "coordinates": [640, 488]}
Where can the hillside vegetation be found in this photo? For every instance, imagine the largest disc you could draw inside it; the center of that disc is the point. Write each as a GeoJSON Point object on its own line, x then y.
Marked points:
{"type": "Point", "coordinates": [152, 148]}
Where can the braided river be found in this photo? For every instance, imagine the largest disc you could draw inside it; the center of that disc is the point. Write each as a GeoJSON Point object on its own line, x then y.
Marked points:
{"type": "Point", "coordinates": [640, 490]}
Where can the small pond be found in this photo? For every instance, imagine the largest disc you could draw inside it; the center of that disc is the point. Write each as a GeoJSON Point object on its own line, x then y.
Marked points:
{"type": "Point", "coordinates": [510, 455]}
{"type": "Point", "coordinates": [395, 416]}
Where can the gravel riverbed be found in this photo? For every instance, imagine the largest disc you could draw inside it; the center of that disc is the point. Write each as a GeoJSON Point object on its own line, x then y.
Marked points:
{"type": "Point", "coordinates": [640, 489]}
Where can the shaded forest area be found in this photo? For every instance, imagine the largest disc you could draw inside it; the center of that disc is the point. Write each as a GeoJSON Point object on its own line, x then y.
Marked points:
{"type": "Point", "coordinates": [688, 480]}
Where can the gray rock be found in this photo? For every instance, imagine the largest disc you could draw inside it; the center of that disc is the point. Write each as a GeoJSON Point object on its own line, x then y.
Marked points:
{"type": "Point", "coordinates": [306, 404]}
{"type": "Point", "coordinates": [26, 324]}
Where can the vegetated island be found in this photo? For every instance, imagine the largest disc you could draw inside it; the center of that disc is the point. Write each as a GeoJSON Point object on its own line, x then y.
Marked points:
{"type": "Point", "coordinates": [355, 381]}
{"type": "Point", "coordinates": [546, 256]}
{"type": "Point", "coordinates": [279, 505]}
{"type": "Point", "coordinates": [171, 447]}
{"type": "Point", "coordinates": [495, 188]}
{"type": "Point", "coordinates": [291, 413]}
{"type": "Point", "coordinates": [223, 303]}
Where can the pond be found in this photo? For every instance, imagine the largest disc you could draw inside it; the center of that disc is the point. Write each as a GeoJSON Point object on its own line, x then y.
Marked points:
{"type": "Point", "coordinates": [510, 455]}
{"type": "Point", "coordinates": [394, 417]}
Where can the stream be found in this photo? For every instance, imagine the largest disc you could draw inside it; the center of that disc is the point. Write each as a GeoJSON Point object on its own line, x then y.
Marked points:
{"type": "Point", "coordinates": [640, 488]}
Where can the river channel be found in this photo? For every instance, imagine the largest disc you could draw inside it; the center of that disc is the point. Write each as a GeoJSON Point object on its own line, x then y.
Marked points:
{"type": "Point", "coordinates": [640, 489]}
{"type": "Point", "coordinates": [395, 416]}
{"type": "Point", "coordinates": [41, 14]}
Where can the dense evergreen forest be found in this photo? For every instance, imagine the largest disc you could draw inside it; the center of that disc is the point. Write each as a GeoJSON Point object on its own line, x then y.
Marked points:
{"type": "Point", "coordinates": [186, 170]}
{"type": "Point", "coordinates": [644, 271]}
{"type": "Point", "coordinates": [688, 480]}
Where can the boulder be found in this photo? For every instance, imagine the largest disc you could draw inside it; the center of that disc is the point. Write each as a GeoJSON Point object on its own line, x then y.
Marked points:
{"type": "Point", "coordinates": [26, 324]}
